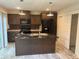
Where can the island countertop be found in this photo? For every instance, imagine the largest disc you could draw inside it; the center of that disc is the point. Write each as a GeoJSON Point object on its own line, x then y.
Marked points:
{"type": "Point", "coordinates": [32, 30]}
{"type": "Point", "coordinates": [33, 35]}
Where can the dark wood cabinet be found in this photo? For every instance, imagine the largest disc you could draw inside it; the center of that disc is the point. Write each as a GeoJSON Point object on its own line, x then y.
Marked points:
{"type": "Point", "coordinates": [35, 19]}
{"type": "Point", "coordinates": [28, 45]}
{"type": "Point", "coordinates": [27, 16]}
{"type": "Point", "coordinates": [11, 35]}
{"type": "Point", "coordinates": [13, 19]}
{"type": "Point", "coordinates": [49, 24]}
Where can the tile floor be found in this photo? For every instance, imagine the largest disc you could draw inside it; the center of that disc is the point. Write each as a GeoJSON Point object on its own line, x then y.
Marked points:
{"type": "Point", "coordinates": [9, 53]}
{"type": "Point", "coordinates": [61, 53]}
{"type": "Point", "coordinates": [64, 53]}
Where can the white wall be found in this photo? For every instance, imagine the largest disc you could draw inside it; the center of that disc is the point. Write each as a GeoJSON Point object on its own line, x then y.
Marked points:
{"type": "Point", "coordinates": [3, 10]}
{"type": "Point", "coordinates": [77, 41]}
{"type": "Point", "coordinates": [64, 25]}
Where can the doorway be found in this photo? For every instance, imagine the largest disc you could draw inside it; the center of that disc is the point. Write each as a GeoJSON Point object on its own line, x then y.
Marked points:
{"type": "Point", "coordinates": [73, 33]}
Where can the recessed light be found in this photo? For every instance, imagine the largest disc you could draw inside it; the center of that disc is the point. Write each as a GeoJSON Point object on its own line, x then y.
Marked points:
{"type": "Point", "coordinates": [18, 8]}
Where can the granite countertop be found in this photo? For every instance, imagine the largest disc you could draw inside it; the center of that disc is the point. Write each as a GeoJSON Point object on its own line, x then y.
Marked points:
{"type": "Point", "coordinates": [35, 30]}
{"type": "Point", "coordinates": [14, 30]}
{"type": "Point", "coordinates": [34, 36]}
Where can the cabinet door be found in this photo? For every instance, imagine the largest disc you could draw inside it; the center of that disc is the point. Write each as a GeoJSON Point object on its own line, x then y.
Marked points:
{"type": "Point", "coordinates": [35, 19]}
{"type": "Point", "coordinates": [13, 19]}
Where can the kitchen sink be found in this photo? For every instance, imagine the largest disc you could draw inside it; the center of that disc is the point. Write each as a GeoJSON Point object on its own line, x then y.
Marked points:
{"type": "Point", "coordinates": [39, 34]}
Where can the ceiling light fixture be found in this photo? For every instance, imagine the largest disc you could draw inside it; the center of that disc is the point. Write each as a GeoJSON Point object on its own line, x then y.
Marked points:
{"type": "Point", "coordinates": [50, 14]}
{"type": "Point", "coordinates": [22, 13]}
{"type": "Point", "coordinates": [50, 10]}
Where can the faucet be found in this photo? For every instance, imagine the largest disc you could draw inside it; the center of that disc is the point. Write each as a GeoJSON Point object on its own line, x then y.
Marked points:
{"type": "Point", "coordinates": [40, 29]}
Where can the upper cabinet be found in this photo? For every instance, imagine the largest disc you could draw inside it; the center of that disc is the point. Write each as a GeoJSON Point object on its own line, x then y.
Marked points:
{"type": "Point", "coordinates": [27, 16]}
{"type": "Point", "coordinates": [35, 19]}
{"type": "Point", "coordinates": [49, 23]}
{"type": "Point", "coordinates": [13, 19]}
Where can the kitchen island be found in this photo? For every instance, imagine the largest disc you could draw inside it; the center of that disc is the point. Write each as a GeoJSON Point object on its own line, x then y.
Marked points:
{"type": "Point", "coordinates": [28, 44]}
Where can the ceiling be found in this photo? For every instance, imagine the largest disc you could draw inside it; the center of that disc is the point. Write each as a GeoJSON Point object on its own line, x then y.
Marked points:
{"type": "Point", "coordinates": [36, 5]}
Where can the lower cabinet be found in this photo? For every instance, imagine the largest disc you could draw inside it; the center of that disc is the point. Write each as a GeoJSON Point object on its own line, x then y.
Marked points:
{"type": "Point", "coordinates": [26, 45]}
{"type": "Point", "coordinates": [11, 36]}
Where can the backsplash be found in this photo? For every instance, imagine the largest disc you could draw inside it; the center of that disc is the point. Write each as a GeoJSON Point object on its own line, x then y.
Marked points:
{"type": "Point", "coordinates": [14, 26]}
